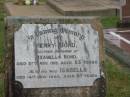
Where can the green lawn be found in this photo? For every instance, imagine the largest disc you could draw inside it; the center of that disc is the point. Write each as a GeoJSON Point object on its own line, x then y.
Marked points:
{"type": "Point", "coordinates": [110, 22]}
{"type": "Point", "coordinates": [118, 81]}
{"type": "Point", "coordinates": [1, 88]}
{"type": "Point", "coordinates": [2, 14]}
{"type": "Point", "coordinates": [1, 41]}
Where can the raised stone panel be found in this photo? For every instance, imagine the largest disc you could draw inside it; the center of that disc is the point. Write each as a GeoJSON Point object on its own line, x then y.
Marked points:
{"type": "Point", "coordinates": [56, 55]}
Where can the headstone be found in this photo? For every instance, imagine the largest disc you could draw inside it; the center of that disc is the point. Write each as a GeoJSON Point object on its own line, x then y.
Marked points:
{"type": "Point", "coordinates": [125, 13]}
{"type": "Point", "coordinates": [125, 9]}
{"type": "Point", "coordinates": [54, 57]}
{"type": "Point", "coordinates": [24, 10]}
{"type": "Point", "coordinates": [118, 44]}
{"type": "Point", "coordinates": [85, 7]}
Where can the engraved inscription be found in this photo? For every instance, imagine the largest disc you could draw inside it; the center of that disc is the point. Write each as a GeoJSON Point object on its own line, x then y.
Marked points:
{"type": "Point", "coordinates": [56, 55]}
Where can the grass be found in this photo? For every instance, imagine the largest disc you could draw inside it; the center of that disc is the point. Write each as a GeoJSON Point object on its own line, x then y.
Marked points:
{"type": "Point", "coordinates": [110, 22]}
{"type": "Point", "coordinates": [118, 82]}
{"type": "Point", "coordinates": [1, 40]}
{"type": "Point", "coordinates": [1, 88]}
{"type": "Point", "coordinates": [2, 15]}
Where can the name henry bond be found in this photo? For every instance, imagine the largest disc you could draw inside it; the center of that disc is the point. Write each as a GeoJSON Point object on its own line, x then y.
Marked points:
{"type": "Point", "coordinates": [56, 55]}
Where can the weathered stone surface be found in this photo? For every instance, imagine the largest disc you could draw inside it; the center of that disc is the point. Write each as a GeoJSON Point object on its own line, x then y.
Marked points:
{"type": "Point", "coordinates": [15, 89]}
{"type": "Point", "coordinates": [56, 55]}
{"type": "Point", "coordinates": [124, 14]}
{"type": "Point", "coordinates": [67, 8]}
{"type": "Point", "coordinates": [117, 53]}
{"type": "Point", "coordinates": [23, 10]}
{"type": "Point", "coordinates": [118, 44]}
{"type": "Point", "coordinates": [125, 11]}
{"type": "Point", "coordinates": [86, 7]}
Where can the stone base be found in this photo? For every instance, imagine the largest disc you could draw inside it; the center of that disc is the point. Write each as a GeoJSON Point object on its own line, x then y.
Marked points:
{"type": "Point", "coordinates": [117, 53]}
{"type": "Point", "coordinates": [116, 47]}
{"type": "Point", "coordinates": [30, 10]}
{"type": "Point", "coordinates": [124, 24]}
{"type": "Point", "coordinates": [85, 7]}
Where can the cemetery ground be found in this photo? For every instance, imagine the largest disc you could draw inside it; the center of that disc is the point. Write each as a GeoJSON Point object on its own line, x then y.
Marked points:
{"type": "Point", "coordinates": [118, 75]}
{"type": "Point", "coordinates": [1, 49]}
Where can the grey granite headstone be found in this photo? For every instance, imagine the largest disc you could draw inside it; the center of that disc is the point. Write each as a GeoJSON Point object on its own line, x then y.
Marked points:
{"type": "Point", "coordinates": [54, 57]}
